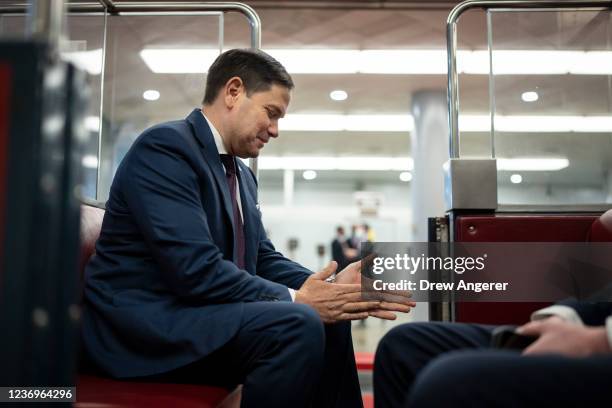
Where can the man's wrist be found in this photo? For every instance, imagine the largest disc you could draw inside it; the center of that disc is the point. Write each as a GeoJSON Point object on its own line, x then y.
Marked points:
{"type": "Point", "coordinates": [599, 340]}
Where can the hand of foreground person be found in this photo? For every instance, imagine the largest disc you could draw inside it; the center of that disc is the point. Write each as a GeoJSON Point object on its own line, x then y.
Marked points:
{"type": "Point", "coordinates": [558, 336]}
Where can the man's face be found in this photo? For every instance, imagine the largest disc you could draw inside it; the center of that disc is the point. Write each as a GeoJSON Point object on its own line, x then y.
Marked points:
{"type": "Point", "coordinates": [255, 120]}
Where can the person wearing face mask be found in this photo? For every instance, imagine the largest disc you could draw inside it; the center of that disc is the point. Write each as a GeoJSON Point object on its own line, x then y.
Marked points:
{"type": "Point", "coordinates": [186, 286]}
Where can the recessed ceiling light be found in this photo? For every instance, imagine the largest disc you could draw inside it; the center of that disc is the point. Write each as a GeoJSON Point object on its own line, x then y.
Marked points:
{"type": "Point", "coordinates": [338, 95]}
{"type": "Point", "coordinates": [90, 162]}
{"type": "Point", "coordinates": [151, 95]}
{"type": "Point", "coordinates": [92, 123]}
{"type": "Point", "coordinates": [530, 96]}
{"type": "Point", "coordinates": [516, 178]}
{"type": "Point", "coordinates": [309, 175]}
{"type": "Point", "coordinates": [405, 176]}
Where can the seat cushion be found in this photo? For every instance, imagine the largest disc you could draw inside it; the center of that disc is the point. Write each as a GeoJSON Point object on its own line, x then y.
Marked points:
{"type": "Point", "coordinates": [99, 392]}
{"type": "Point", "coordinates": [107, 393]}
{"type": "Point", "coordinates": [601, 229]}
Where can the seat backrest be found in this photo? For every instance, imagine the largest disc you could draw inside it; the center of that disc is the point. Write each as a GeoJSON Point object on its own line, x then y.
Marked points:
{"type": "Point", "coordinates": [601, 229]}
{"type": "Point", "coordinates": [91, 223]}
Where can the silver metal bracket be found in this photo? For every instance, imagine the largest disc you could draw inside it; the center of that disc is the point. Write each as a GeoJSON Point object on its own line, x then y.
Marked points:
{"type": "Point", "coordinates": [470, 184]}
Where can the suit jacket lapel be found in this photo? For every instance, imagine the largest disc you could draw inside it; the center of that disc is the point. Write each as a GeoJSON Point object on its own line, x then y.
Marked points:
{"type": "Point", "coordinates": [211, 156]}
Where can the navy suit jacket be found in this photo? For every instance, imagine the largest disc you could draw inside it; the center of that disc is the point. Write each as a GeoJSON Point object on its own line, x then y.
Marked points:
{"type": "Point", "coordinates": [163, 289]}
{"type": "Point", "coordinates": [591, 313]}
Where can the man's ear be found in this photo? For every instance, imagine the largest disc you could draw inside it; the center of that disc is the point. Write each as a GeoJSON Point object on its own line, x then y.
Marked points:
{"type": "Point", "coordinates": [233, 90]}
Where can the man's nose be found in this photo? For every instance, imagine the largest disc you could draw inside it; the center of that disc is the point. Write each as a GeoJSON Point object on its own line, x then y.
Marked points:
{"type": "Point", "coordinates": [273, 129]}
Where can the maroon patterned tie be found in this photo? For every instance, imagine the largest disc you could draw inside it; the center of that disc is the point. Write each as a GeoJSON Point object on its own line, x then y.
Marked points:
{"type": "Point", "coordinates": [230, 174]}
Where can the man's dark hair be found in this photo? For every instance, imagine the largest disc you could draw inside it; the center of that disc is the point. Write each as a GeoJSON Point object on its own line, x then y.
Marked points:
{"type": "Point", "coordinates": [258, 72]}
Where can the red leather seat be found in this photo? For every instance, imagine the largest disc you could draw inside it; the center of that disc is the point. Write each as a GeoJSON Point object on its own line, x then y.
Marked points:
{"type": "Point", "coordinates": [524, 228]}
{"type": "Point", "coordinates": [601, 229]}
{"type": "Point", "coordinates": [95, 391]}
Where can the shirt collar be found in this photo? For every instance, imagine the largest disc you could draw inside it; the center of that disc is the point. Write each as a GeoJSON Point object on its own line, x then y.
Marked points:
{"type": "Point", "coordinates": [216, 135]}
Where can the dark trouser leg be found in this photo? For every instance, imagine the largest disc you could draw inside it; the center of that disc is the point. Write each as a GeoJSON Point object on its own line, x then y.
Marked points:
{"type": "Point", "coordinates": [406, 349]}
{"type": "Point", "coordinates": [284, 356]}
{"type": "Point", "coordinates": [487, 378]}
{"type": "Point", "coordinates": [339, 385]}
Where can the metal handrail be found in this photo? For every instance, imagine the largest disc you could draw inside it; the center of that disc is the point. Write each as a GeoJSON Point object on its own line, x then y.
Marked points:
{"type": "Point", "coordinates": [451, 47]}
{"type": "Point", "coordinates": [136, 8]}
{"type": "Point", "coordinates": [45, 23]}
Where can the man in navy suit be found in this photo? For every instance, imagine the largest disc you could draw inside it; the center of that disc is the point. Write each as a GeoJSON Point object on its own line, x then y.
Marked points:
{"type": "Point", "coordinates": [451, 364]}
{"type": "Point", "coordinates": [185, 285]}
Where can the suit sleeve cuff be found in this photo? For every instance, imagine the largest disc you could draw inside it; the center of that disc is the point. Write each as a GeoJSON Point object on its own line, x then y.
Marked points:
{"type": "Point", "coordinates": [565, 312]}
{"type": "Point", "coordinates": [292, 294]}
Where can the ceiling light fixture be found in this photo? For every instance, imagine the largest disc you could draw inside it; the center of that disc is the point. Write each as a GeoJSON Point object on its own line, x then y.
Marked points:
{"type": "Point", "coordinates": [90, 162]}
{"type": "Point", "coordinates": [92, 123]}
{"type": "Point", "coordinates": [516, 179]}
{"type": "Point", "coordinates": [467, 123]}
{"type": "Point", "coordinates": [356, 123]}
{"type": "Point", "coordinates": [151, 95]}
{"type": "Point", "coordinates": [405, 176]}
{"type": "Point", "coordinates": [179, 60]}
{"type": "Point", "coordinates": [90, 61]}
{"type": "Point", "coordinates": [353, 163]}
{"type": "Point", "coordinates": [532, 164]}
{"type": "Point", "coordinates": [402, 164]}
{"type": "Point", "coordinates": [529, 96]}
{"type": "Point", "coordinates": [404, 62]}
{"type": "Point", "coordinates": [338, 95]}
{"type": "Point", "coordinates": [309, 175]}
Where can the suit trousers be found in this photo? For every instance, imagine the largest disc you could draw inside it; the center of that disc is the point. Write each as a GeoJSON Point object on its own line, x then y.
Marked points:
{"type": "Point", "coordinates": [283, 355]}
{"type": "Point", "coordinates": [451, 365]}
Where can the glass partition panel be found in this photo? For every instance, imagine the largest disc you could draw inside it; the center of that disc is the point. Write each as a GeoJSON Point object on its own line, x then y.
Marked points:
{"type": "Point", "coordinates": [155, 72]}
{"type": "Point", "coordinates": [84, 47]}
{"type": "Point", "coordinates": [473, 81]}
{"type": "Point", "coordinates": [552, 105]}
{"type": "Point", "coordinates": [12, 26]}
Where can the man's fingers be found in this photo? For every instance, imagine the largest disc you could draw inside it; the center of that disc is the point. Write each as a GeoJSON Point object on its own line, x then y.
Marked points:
{"type": "Point", "coordinates": [355, 265]}
{"type": "Point", "coordinates": [383, 314]}
{"type": "Point", "coordinates": [355, 307]}
{"type": "Point", "coordinates": [534, 328]}
{"type": "Point", "coordinates": [353, 297]}
{"type": "Point", "coordinates": [327, 271]}
{"type": "Point", "coordinates": [340, 289]}
{"type": "Point", "coordinates": [392, 298]}
{"type": "Point", "coordinates": [369, 258]}
{"type": "Point", "coordinates": [352, 316]}
{"type": "Point", "coordinates": [396, 307]}
{"type": "Point", "coordinates": [533, 348]}
{"type": "Point", "coordinates": [397, 293]}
